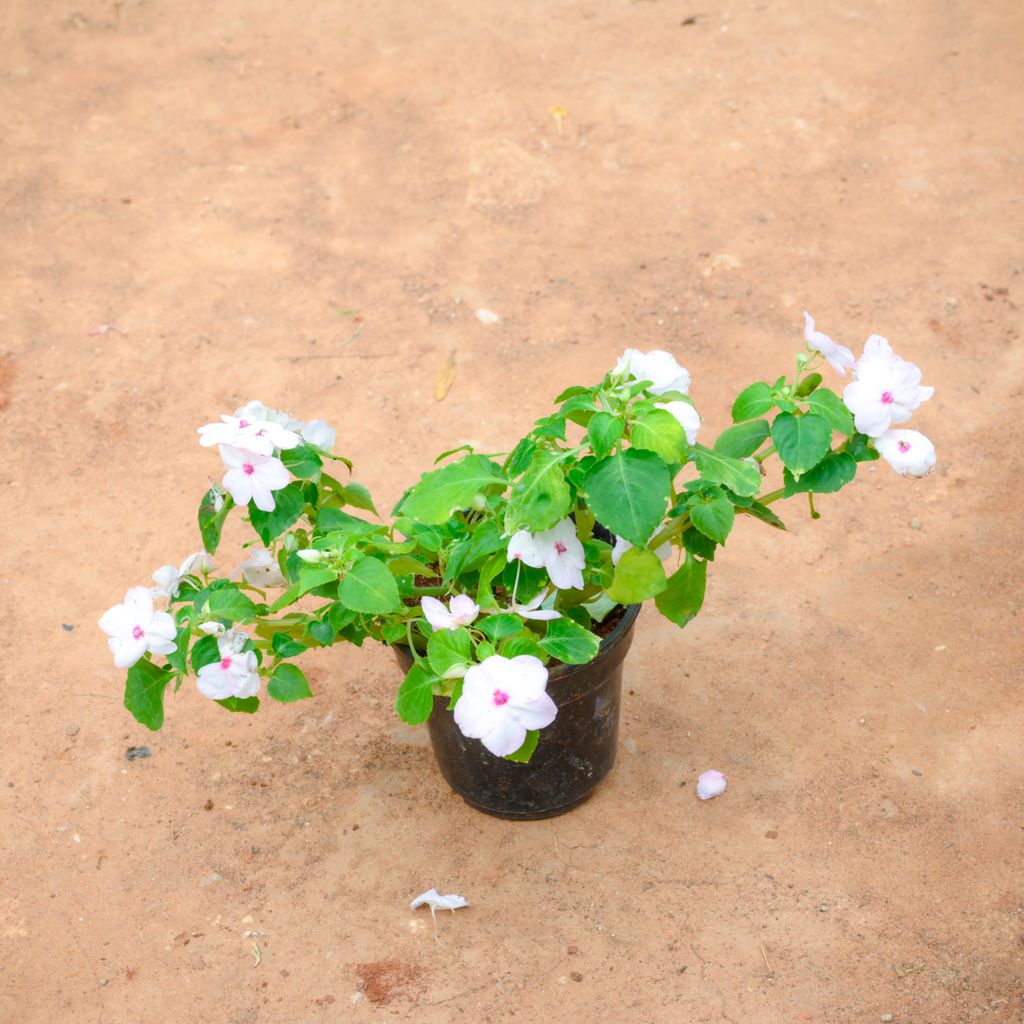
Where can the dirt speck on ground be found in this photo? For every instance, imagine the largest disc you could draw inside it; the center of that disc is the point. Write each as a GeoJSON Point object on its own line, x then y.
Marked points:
{"type": "Point", "coordinates": [382, 980]}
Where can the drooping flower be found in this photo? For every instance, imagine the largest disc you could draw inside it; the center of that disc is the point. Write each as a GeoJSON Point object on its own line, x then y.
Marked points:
{"type": "Point", "coordinates": [622, 546]}
{"type": "Point", "coordinates": [558, 550]}
{"type": "Point", "coordinates": [501, 699]}
{"type": "Point", "coordinates": [657, 366]}
{"type": "Point", "coordinates": [134, 628]}
{"type": "Point", "coordinates": [909, 452]}
{"type": "Point", "coordinates": [839, 356]}
{"type": "Point", "coordinates": [533, 610]}
{"type": "Point", "coordinates": [887, 389]}
{"type": "Point", "coordinates": [234, 675]}
{"type": "Point", "coordinates": [686, 415]}
{"type": "Point", "coordinates": [260, 569]}
{"type": "Point", "coordinates": [260, 437]}
{"type": "Point", "coordinates": [168, 579]}
{"type": "Point", "coordinates": [711, 784]}
{"type": "Point", "coordinates": [461, 611]}
{"type": "Point", "coordinates": [253, 476]}
{"type": "Point", "coordinates": [315, 432]}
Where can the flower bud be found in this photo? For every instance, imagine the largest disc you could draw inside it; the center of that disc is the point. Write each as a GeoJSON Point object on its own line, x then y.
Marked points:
{"type": "Point", "coordinates": [311, 556]}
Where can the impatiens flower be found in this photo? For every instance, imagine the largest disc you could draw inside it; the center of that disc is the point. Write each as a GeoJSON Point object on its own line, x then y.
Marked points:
{"type": "Point", "coordinates": [255, 410]}
{"type": "Point", "coordinates": [501, 699]}
{"type": "Point", "coordinates": [168, 579]}
{"type": "Point", "coordinates": [688, 417]}
{"type": "Point", "coordinates": [433, 899]}
{"type": "Point", "coordinates": [558, 550]}
{"type": "Point", "coordinates": [253, 476]}
{"type": "Point", "coordinates": [134, 628]}
{"type": "Point", "coordinates": [711, 784]}
{"type": "Point", "coordinates": [260, 569]}
{"type": "Point", "coordinates": [908, 452]}
{"type": "Point", "coordinates": [315, 432]}
{"type": "Point", "coordinates": [622, 546]}
{"type": "Point", "coordinates": [659, 367]}
{"type": "Point", "coordinates": [887, 389]}
{"type": "Point", "coordinates": [234, 675]}
{"type": "Point", "coordinates": [840, 357]}
{"type": "Point", "coordinates": [260, 437]}
{"type": "Point", "coordinates": [461, 611]}
{"type": "Point", "coordinates": [532, 609]}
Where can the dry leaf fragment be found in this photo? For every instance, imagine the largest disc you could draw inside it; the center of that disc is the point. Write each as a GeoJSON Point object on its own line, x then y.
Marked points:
{"type": "Point", "coordinates": [445, 376]}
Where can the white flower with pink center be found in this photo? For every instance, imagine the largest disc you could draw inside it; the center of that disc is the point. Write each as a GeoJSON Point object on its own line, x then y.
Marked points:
{"type": "Point", "coordinates": [134, 628]}
{"type": "Point", "coordinates": [622, 546]}
{"type": "Point", "coordinates": [256, 410]}
{"type": "Point", "coordinates": [168, 579]}
{"type": "Point", "coordinates": [461, 611]}
{"type": "Point", "coordinates": [839, 356]}
{"type": "Point", "coordinates": [909, 452]}
{"type": "Point", "coordinates": [658, 367]}
{"type": "Point", "coordinates": [260, 437]}
{"type": "Point", "coordinates": [251, 476]}
{"type": "Point", "coordinates": [558, 550]}
{"type": "Point", "coordinates": [886, 391]}
{"type": "Point", "coordinates": [260, 569]}
{"type": "Point", "coordinates": [234, 674]}
{"type": "Point", "coordinates": [315, 432]}
{"type": "Point", "coordinates": [503, 698]}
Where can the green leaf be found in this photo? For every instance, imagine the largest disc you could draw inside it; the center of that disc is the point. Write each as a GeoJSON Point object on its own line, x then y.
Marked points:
{"type": "Point", "coordinates": [660, 432]}
{"type": "Point", "coordinates": [743, 440]}
{"type": "Point", "coordinates": [524, 643]}
{"type": "Point", "coordinates": [576, 389]}
{"type": "Point", "coordinates": [406, 565]}
{"type": "Point", "coordinates": [451, 488]}
{"type": "Point", "coordinates": [498, 627]}
{"type": "Point", "coordinates": [211, 521]}
{"type": "Point", "coordinates": [859, 446]}
{"type": "Point", "coordinates": [204, 652]}
{"type": "Point", "coordinates": [491, 568]}
{"type": "Point", "coordinates": [415, 698]}
{"type": "Point", "coordinates": [230, 603]}
{"type": "Point", "coordinates": [765, 514]}
{"type": "Point", "coordinates": [550, 426]}
{"type": "Point", "coordinates": [713, 514]}
{"type": "Point", "coordinates": [310, 577]}
{"type": "Point", "coordinates": [247, 705]}
{"type": "Point", "coordinates": [369, 587]}
{"type": "Point", "coordinates": [752, 402]}
{"type": "Point", "coordinates": [829, 406]}
{"type": "Point", "coordinates": [322, 632]}
{"type": "Point", "coordinates": [301, 461]}
{"type": "Point", "coordinates": [742, 477]}
{"type": "Point", "coordinates": [603, 432]}
{"type": "Point", "coordinates": [541, 497]}
{"type": "Point", "coordinates": [682, 598]}
{"type": "Point", "coordinates": [525, 752]}
{"type": "Point", "coordinates": [628, 493]}
{"type": "Point", "coordinates": [285, 646]}
{"type": "Point", "coordinates": [698, 544]}
{"type": "Point", "coordinates": [836, 470]}
{"type": "Point", "coordinates": [144, 693]}
{"type": "Point", "coordinates": [520, 456]}
{"type": "Point", "coordinates": [288, 683]}
{"type": "Point", "coordinates": [570, 642]}
{"type": "Point", "coordinates": [808, 385]}
{"type": "Point", "coordinates": [449, 648]}
{"type": "Point", "coordinates": [801, 441]}
{"type": "Point", "coordinates": [638, 576]}
{"type": "Point", "coordinates": [288, 504]}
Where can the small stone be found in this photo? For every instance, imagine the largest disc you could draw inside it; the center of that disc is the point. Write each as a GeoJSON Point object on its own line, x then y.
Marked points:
{"type": "Point", "coordinates": [208, 806]}
{"type": "Point", "coordinates": [72, 730]}
{"type": "Point", "coordinates": [915, 523]}
{"type": "Point", "coordinates": [104, 981]}
{"type": "Point", "coordinates": [885, 1018]}
{"type": "Point", "coordinates": [914, 771]}
{"type": "Point", "coordinates": [576, 976]}
{"type": "Point", "coordinates": [133, 752]}
{"type": "Point", "coordinates": [630, 746]}
{"type": "Point", "coordinates": [66, 626]}
{"type": "Point", "coordinates": [824, 908]}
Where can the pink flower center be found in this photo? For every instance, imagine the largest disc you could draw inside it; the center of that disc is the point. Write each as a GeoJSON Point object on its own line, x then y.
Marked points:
{"type": "Point", "coordinates": [500, 697]}
{"type": "Point", "coordinates": [138, 632]}
{"type": "Point", "coordinates": [560, 548]}
{"type": "Point", "coordinates": [225, 663]}
{"type": "Point", "coordinates": [887, 398]}
{"type": "Point", "coordinates": [242, 424]}
{"type": "Point", "coordinates": [248, 468]}
{"type": "Point", "coordinates": [903, 446]}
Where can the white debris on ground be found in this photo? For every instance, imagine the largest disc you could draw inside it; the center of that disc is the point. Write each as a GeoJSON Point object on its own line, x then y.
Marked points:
{"type": "Point", "coordinates": [487, 316]}
{"type": "Point", "coordinates": [433, 899]}
{"type": "Point", "coordinates": [711, 784]}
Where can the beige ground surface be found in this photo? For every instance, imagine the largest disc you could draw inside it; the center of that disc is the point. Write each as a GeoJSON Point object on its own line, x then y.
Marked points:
{"type": "Point", "coordinates": [232, 185]}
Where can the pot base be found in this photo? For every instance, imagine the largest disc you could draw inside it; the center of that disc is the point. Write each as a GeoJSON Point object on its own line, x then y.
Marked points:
{"type": "Point", "coordinates": [550, 812]}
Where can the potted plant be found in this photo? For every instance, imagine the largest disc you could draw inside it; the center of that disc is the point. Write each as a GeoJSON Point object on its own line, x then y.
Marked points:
{"type": "Point", "coordinates": [507, 584]}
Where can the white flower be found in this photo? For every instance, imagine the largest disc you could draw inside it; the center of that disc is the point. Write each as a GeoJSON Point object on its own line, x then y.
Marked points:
{"type": "Point", "coordinates": [134, 628]}
{"type": "Point", "coordinates": [234, 675]}
{"type": "Point", "coordinates": [659, 367]}
{"type": "Point", "coordinates": [168, 579]}
{"type": "Point", "coordinates": [253, 476]}
{"type": "Point", "coordinates": [839, 356]}
{"type": "Point", "coordinates": [315, 432]}
{"type": "Point", "coordinates": [558, 550]}
{"type": "Point", "coordinates": [260, 437]}
{"type": "Point", "coordinates": [213, 628]}
{"type": "Point", "coordinates": [622, 546]}
{"type": "Point", "coordinates": [886, 391]}
{"type": "Point", "coordinates": [532, 609]}
{"type": "Point", "coordinates": [433, 899]}
{"type": "Point", "coordinates": [260, 569]}
{"type": "Point", "coordinates": [711, 784]}
{"type": "Point", "coordinates": [461, 611]}
{"type": "Point", "coordinates": [687, 416]}
{"type": "Point", "coordinates": [908, 452]}
{"type": "Point", "coordinates": [501, 699]}
{"type": "Point", "coordinates": [255, 410]}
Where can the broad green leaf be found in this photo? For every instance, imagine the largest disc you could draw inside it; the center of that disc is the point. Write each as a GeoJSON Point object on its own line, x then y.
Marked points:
{"type": "Point", "coordinates": [310, 577]}
{"type": "Point", "coordinates": [808, 385]}
{"type": "Point", "coordinates": [369, 587]}
{"type": "Point", "coordinates": [629, 494]}
{"type": "Point", "coordinates": [829, 406]}
{"type": "Point", "coordinates": [488, 571]}
{"type": "Point", "coordinates": [524, 643]}
{"type": "Point", "coordinates": [698, 544]}
{"type": "Point", "coordinates": [230, 603]}
{"type": "Point", "coordinates": [742, 477]}
{"type": "Point", "coordinates": [682, 598]}
{"type": "Point", "coordinates": [337, 521]}
{"type": "Point", "coordinates": [285, 646]}
{"type": "Point", "coordinates": [713, 514]}
{"type": "Point", "coordinates": [406, 565]}
{"type": "Point", "coordinates": [415, 698]}
{"type": "Point", "coordinates": [525, 752]}
{"type": "Point", "coordinates": [801, 441]}
{"type": "Point", "coordinates": [569, 642]}
{"type": "Point", "coordinates": [765, 514]}
{"type": "Point", "coordinates": [448, 648]}
{"type": "Point", "coordinates": [204, 652]}
{"type": "Point", "coordinates": [211, 521]}
{"type": "Point", "coordinates": [288, 683]}
{"type": "Point", "coordinates": [836, 470]}
{"type": "Point", "coordinates": [246, 705]}
{"type": "Point", "coordinates": [520, 456]}
{"type": "Point", "coordinates": [550, 426]}
{"type": "Point", "coordinates": [358, 496]}
{"type": "Point", "coordinates": [322, 632]}
{"type": "Point", "coordinates": [638, 576]}
{"type": "Point", "coordinates": [301, 461]}
{"type": "Point", "coordinates": [144, 693]}
{"type": "Point", "coordinates": [752, 402]}
{"type": "Point", "coordinates": [498, 627]}
{"type": "Point", "coordinates": [603, 432]}
{"type": "Point", "coordinates": [451, 488]}
{"type": "Point", "coordinates": [178, 659]}
{"type": "Point", "coordinates": [288, 504]}
{"type": "Point", "coordinates": [541, 497]}
{"type": "Point", "coordinates": [572, 392]}
{"type": "Point", "coordinates": [660, 432]}
{"type": "Point", "coordinates": [743, 440]}
{"type": "Point", "coordinates": [859, 446]}
{"type": "Point", "coordinates": [471, 551]}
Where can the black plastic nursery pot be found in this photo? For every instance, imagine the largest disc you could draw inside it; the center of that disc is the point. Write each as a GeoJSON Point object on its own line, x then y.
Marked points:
{"type": "Point", "coordinates": [574, 754]}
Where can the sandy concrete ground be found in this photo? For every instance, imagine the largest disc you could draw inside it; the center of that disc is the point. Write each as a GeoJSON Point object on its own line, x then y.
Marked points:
{"type": "Point", "coordinates": [232, 185]}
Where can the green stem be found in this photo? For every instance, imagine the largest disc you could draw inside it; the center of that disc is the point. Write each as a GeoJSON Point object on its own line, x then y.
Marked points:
{"type": "Point", "coordinates": [773, 496]}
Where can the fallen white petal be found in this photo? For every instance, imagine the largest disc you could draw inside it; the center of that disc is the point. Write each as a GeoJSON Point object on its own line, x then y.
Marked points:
{"type": "Point", "coordinates": [487, 316]}
{"type": "Point", "coordinates": [433, 899]}
{"type": "Point", "coordinates": [711, 784]}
